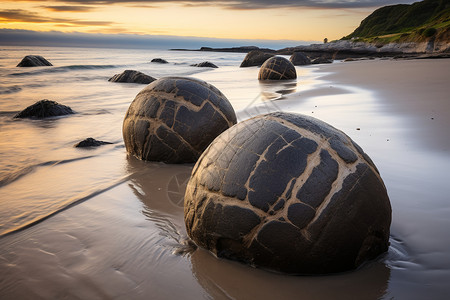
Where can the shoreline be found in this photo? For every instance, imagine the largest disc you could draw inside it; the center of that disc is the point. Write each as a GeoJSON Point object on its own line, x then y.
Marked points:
{"type": "Point", "coordinates": [123, 243]}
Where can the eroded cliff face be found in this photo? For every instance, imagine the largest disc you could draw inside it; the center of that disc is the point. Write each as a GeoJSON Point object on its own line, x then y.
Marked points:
{"type": "Point", "coordinates": [350, 48]}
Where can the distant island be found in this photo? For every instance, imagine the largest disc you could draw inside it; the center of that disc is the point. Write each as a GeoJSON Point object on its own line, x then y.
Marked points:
{"type": "Point", "coordinates": [410, 30]}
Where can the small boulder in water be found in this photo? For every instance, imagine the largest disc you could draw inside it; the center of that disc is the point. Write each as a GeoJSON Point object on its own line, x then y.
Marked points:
{"type": "Point", "coordinates": [44, 109]}
{"type": "Point", "coordinates": [34, 61]}
{"type": "Point", "coordinates": [255, 58]}
{"type": "Point", "coordinates": [277, 68]}
{"type": "Point", "coordinates": [205, 64]}
{"type": "Point", "coordinates": [132, 76]}
{"type": "Point", "coordinates": [159, 60]}
{"type": "Point", "coordinates": [299, 59]}
{"type": "Point", "coordinates": [90, 142]}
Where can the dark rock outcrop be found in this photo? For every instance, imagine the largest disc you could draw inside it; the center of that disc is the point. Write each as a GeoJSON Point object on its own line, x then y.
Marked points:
{"type": "Point", "coordinates": [44, 109]}
{"type": "Point", "coordinates": [174, 119]}
{"type": "Point", "coordinates": [132, 76]}
{"type": "Point", "coordinates": [288, 193]}
{"type": "Point", "coordinates": [205, 64]}
{"type": "Point", "coordinates": [34, 61]}
{"type": "Point", "coordinates": [255, 58]}
{"type": "Point", "coordinates": [159, 61]}
{"type": "Point", "coordinates": [299, 59]}
{"type": "Point", "coordinates": [277, 68]}
{"type": "Point", "coordinates": [321, 60]}
{"type": "Point", "coordinates": [90, 142]}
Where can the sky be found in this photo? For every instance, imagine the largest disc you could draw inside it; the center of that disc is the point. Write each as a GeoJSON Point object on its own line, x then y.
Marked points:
{"type": "Point", "coordinates": [288, 20]}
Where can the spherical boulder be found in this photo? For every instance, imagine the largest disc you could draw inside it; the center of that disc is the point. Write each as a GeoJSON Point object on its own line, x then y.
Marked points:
{"type": "Point", "coordinates": [255, 58]}
{"type": "Point", "coordinates": [132, 76]}
{"type": "Point", "coordinates": [205, 64]}
{"type": "Point", "coordinates": [299, 59]}
{"type": "Point", "coordinates": [277, 68]}
{"type": "Point", "coordinates": [174, 119]}
{"type": "Point", "coordinates": [288, 193]}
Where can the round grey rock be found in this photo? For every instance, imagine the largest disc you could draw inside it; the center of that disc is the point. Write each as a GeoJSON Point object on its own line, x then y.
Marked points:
{"type": "Point", "coordinates": [277, 68]}
{"type": "Point", "coordinates": [174, 119]}
{"type": "Point", "coordinates": [33, 61]}
{"type": "Point", "coordinates": [44, 109]}
{"type": "Point", "coordinates": [132, 76]}
{"type": "Point", "coordinates": [205, 64]}
{"type": "Point", "coordinates": [90, 142]}
{"type": "Point", "coordinates": [288, 193]}
{"type": "Point", "coordinates": [299, 59]}
{"type": "Point", "coordinates": [255, 58]}
{"type": "Point", "coordinates": [159, 61]}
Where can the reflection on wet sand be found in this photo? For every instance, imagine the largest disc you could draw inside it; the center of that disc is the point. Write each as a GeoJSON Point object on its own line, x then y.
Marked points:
{"type": "Point", "coordinates": [232, 280]}
{"type": "Point", "coordinates": [276, 89]}
{"type": "Point", "coordinates": [161, 189]}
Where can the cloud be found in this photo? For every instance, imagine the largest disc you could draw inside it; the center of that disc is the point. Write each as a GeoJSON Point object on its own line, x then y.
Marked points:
{"type": "Point", "coordinates": [69, 8]}
{"type": "Point", "coordinates": [20, 15]}
{"type": "Point", "coordinates": [20, 37]}
{"type": "Point", "coordinates": [249, 4]}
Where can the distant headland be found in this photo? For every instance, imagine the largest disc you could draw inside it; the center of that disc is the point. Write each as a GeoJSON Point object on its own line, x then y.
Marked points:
{"type": "Point", "coordinates": [421, 29]}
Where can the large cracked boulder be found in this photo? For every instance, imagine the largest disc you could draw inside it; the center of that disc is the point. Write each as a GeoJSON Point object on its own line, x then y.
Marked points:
{"type": "Point", "coordinates": [44, 109]}
{"type": "Point", "coordinates": [132, 76]}
{"type": "Point", "coordinates": [255, 58]}
{"type": "Point", "coordinates": [33, 61]}
{"type": "Point", "coordinates": [174, 119]}
{"type": "Point", "coordinates": [277, 68]}
{"type": "Point", "coordinates": [288, 193]}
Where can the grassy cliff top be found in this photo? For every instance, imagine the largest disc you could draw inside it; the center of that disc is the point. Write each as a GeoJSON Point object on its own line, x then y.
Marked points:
{"type": "Point", "coordinates": [406, 23]}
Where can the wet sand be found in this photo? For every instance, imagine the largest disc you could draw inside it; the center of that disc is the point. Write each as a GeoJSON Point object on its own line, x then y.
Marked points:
{"type": "Point", "coordinates": [129, 242]}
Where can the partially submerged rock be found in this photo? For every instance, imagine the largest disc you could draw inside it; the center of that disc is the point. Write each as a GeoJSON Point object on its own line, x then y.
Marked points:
{"type": "Point", "coordinates": [44, 109]}
{"type": "Point", "coordinates": [289, 193]}
{"type": "Point", "coordinates": [277, 68]}
{"type": "Point", "coordinates": [90, 142]}
{"type": "Point", "coordinates": [205, 64]}
{"type": "Point", "coordinates": [159, 61]}
{"type": "Point", "coordinates": [132, 76]}
{"type": "Point", "coordinates": [255, 58]}
{"type": "Point", "coordinates": [299, 59]}
{"type": "Point", "coordinates": [174, 119]}
{"type": "Point", "coordinates": [34, 61]}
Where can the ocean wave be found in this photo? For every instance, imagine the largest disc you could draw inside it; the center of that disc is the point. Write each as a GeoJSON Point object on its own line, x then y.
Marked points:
{"type": "Point", "coordinates": [9, 89]}
{"type": "Point", "coordinates": [64, 69]}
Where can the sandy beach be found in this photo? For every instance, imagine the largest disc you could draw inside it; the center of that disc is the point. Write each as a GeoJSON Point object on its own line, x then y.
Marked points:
{"type": "Point", "coordinates": [128, 240]}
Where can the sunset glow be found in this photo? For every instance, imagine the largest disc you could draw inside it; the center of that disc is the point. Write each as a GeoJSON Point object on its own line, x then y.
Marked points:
{"type": "Point", "coordinates": [288, 20]}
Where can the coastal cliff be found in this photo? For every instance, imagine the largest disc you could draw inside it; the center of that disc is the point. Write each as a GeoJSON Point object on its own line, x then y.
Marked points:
{"type": "Point", "coordinates": [420, 28]}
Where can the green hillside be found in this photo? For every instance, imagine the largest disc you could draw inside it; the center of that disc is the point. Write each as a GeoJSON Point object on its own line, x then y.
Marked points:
{"type": "Point", "coordinates": [416, 22]}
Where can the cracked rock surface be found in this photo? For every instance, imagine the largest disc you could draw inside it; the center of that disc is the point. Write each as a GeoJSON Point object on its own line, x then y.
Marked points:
{"type": "Point", "coordinates": [277, 68]}
{"type": "Point", "coordinates": [174, 119]}
{"type": "Point", "coordinates": [288, 193]}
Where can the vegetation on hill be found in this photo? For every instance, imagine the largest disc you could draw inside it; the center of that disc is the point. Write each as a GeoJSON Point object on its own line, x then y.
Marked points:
{"type": "Point", "coordinates": [406, 23]}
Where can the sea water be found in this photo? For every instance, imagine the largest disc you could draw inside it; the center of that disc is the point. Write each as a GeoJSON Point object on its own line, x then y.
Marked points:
{"type": "Point", "coordinates": [40, 170]}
